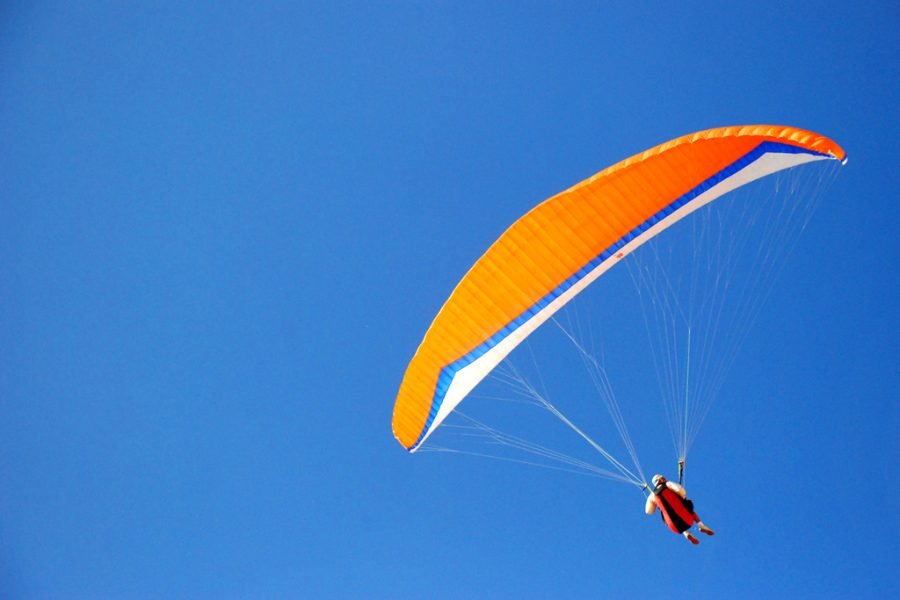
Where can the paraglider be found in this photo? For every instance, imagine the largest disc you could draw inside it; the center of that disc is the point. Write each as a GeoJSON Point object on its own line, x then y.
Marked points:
{"type": "Point", "coordinates": [555, 251]}
{"type": "Point", "coordinates": [676, 510]}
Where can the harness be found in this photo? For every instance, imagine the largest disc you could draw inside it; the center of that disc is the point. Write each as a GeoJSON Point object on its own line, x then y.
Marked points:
{"type": "Point", "coordinates": [672, 509]}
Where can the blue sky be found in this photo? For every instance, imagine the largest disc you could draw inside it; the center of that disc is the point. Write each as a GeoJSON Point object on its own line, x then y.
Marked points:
{"type": "Point", "coordinates": [226, 226]}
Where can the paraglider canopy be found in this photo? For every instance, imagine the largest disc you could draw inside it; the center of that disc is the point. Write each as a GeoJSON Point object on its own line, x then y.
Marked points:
{"type": "Point", "coordinates": [558, 248]}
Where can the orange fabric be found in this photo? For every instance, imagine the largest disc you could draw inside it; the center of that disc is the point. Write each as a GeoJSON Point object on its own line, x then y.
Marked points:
{"type": "Point", "coordinates": [561, 235]}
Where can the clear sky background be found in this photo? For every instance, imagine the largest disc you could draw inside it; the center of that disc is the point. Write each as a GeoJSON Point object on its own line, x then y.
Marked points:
{"type": "Point", "coordinates": [225, 227]}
